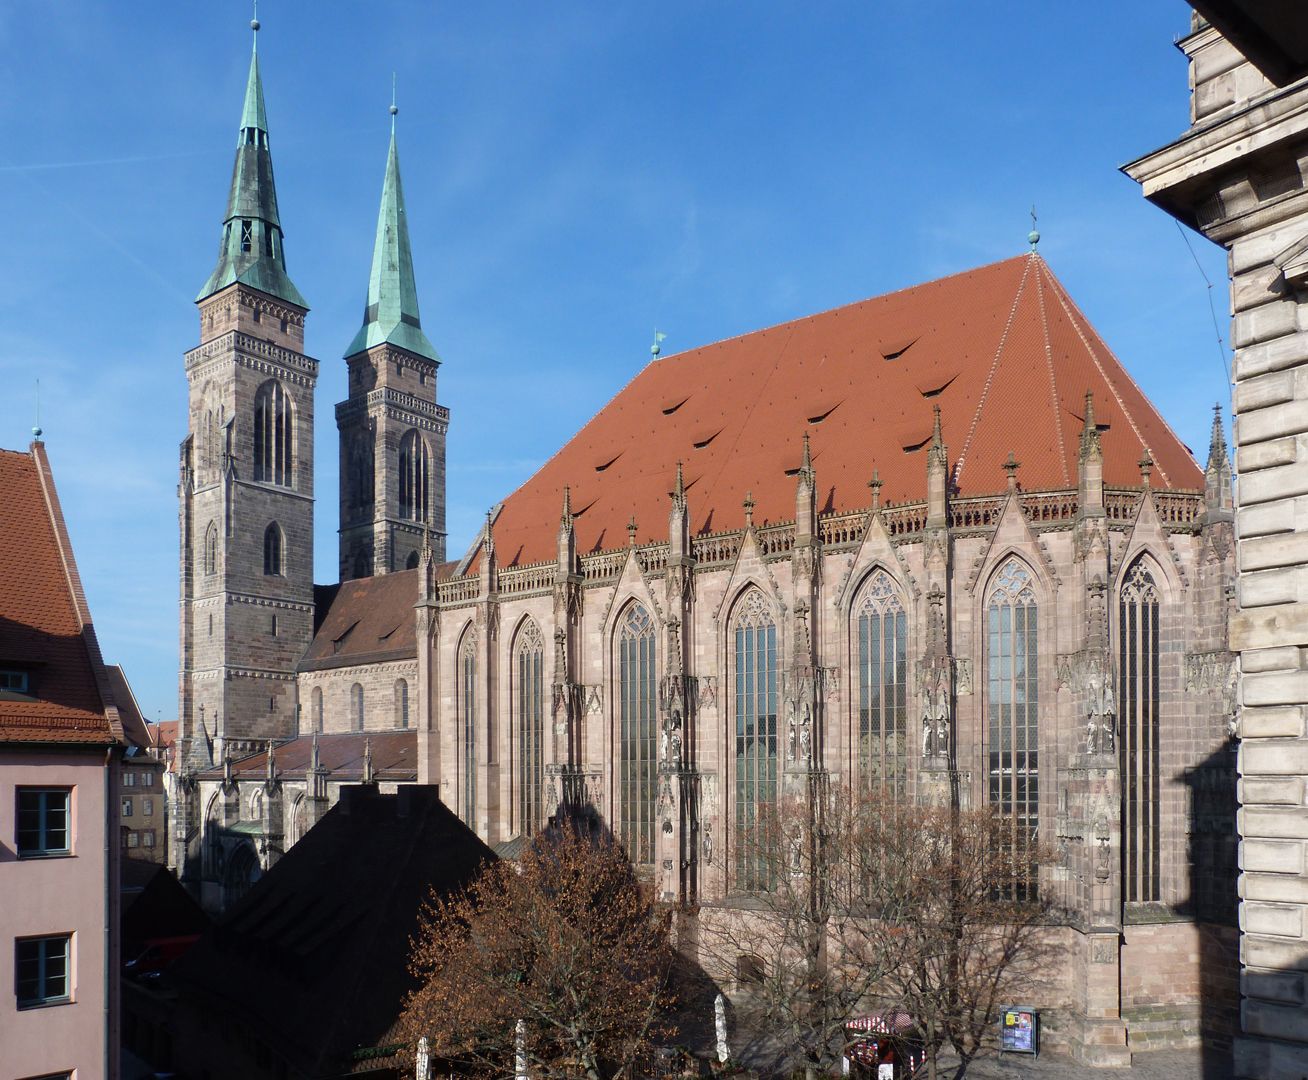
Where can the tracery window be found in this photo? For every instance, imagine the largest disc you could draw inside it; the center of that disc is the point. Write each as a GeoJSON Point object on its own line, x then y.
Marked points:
{"type": "Point", "coordinates": [1013, 655]}
{"type": "Point", "coordinates": [531, 727]}
{"type": "Point", "coordinates": [272, 434]}
{"type": "Point", "coordinates": [272, 551]}
{"type": "Point", "coordinates": [1137, 710]}
{"type": "Point", "coordinates": [637, 733]}
{"type": "Point", "coordinates": [468, 726]}
{"type": "Point", "coordinates": [402, 703]}
{"type": "Point", "coordinates": [413, 477]}
{"type": "Point", "coordinates": [755, 705]}
{"type": "Point", "coordinates": [882, 626]}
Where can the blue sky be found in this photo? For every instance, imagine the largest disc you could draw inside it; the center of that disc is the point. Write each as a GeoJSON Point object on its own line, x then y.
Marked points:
{"type": "Point", "coordinates": [576, 175]}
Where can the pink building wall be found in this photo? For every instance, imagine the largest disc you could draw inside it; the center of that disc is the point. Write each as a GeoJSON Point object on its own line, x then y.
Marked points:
{"type": "Point", "coordinates": [68, 894]}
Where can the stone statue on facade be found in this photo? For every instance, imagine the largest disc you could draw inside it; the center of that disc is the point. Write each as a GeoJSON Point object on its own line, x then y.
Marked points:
{"type": "Point", "coordinates": [670, 746]}
{"type": "Point", "coordinates": [792, 733]}
{"type": "Point", "coordinates": [935, 715]}
{"type": "Point", "coordinates": [1101, 708]}
{"type": "Point", "coordinates": [806, 735]}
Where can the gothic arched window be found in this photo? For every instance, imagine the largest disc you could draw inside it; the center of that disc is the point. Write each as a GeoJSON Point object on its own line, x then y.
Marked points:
{"type": "Point", "coordinates": [531, 726]}
{"type": "Point", "coordinates": [1137, 710]}
{"type": "Point", "coordinates": [315, 708]}
{"type": "Point", "coordinates": [467, 695]}
{"type": "Point", "coordinates": [272, 550]}
{"type": "Point", "coordinates": [401, 703]}
{"type": "Point", "coordinates": [637, 733]}
{"type": "Point", "coordinates": [413, 477]}
{"type": "Point", "coordinates": [272, 434]}
{"type": "Point", "coordinates": [756, 785]}
{"type": "Point", "coordinates": [411, 563]}
{"type": "Point", "coordinates": [882, 681]}
{"type": "Point", "coordinates": [1012, 702]}
{"type": "Point", "coordinates": [356, 707]}
{"type": "Point", "coordinates": [361, 470]}
{"type": "Point", "coordinates": [211, 548]}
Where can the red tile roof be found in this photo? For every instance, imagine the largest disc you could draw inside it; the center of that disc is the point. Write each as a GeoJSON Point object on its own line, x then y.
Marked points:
{"type": "Point", "coordinates": [135, 729]}
{"type": "Point", "coordinates": [45, 625]}
{"type": "Point", "coordinates": [1002, 350]}
{"type": "Point", "coordinates": [367, 620]}
{"type": "Point", "coordinates": [394, 757]}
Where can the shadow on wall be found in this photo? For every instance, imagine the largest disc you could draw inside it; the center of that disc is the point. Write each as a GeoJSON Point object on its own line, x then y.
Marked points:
{"type": "Point", "coordinates": [1213, 904]}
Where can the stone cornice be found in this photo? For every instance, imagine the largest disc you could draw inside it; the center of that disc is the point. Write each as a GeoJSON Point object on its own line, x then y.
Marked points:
{"type": "Point", "coordinates": [319, 673]}
{"type": "Point", "coordinates": [253, 353]}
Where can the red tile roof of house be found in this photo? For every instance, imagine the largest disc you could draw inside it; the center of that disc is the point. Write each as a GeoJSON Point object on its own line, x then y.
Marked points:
{"type": "Point", "coordinates": [1002, 350]}
{"type": "Point", "coordinates": [135, 729]}
{"type": "Point", "coordinates": [45, 625]}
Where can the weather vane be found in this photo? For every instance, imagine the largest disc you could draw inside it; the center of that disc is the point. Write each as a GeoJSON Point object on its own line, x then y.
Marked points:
{"type": "Point", "coordinates": [1033, 237]}
{"type": "Point", "coordinates": [657, 347]}
{"type": "Point", "coordinates": [36, 431]}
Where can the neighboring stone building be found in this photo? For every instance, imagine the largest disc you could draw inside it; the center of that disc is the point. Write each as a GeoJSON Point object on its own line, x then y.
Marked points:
{"type": "Point", "coordinates": [60, 748]}
{"type": "Point", "coordinates": [142, 813]}
{"type": "Point", "coordinates": [1238, 177]}
{"type": "Point", "coordinates": [760, 563]}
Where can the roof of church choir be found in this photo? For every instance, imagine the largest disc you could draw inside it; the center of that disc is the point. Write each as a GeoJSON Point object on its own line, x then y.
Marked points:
{"type": "Point", "coordinates": [45, 626]}
{"type": "Point", "coordinates": [1002, 350]}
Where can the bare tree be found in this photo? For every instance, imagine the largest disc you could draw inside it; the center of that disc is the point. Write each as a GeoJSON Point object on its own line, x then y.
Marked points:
{"type": "Point", "coordinates": [565, 941]}
{"type": "Point", "coordinates": [978, 930]}
{"type": "Point", "coordinates": [873, 902]}
{"type": "Point", "coordinates": [806, 951]}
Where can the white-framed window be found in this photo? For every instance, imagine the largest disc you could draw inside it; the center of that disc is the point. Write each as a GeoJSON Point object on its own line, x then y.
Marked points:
{"type": "Point", "coordinates": [41, 970]}
{"type": "Point", "coordinates": [147, 807]}
{"type": "Point", "coordinates": [147, 838]}
{"type": "Point", "coordinates": [129, 778]}
{"type": "Point", "coordinates": [127, 806]}
{"type": "Point", "coordinates": [44, 824]}
{"type": "Point", "coordinates": [133, 839]}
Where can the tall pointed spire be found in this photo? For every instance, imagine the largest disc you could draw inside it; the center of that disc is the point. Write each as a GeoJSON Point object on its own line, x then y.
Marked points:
{"type": "Point", "coordinates": [391, 314]}
{"type": "Point", "coordinates": [251, 249]}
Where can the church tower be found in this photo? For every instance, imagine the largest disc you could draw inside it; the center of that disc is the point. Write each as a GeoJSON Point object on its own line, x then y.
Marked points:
{"type": "Point", "coordinates": [246, 490]}
{"type": "Point", "coordinates": [392, 430]}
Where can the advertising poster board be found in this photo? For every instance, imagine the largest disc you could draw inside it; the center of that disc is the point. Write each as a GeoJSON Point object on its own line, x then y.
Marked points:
{"type": "Point", "coordinates": [1019, 1030]}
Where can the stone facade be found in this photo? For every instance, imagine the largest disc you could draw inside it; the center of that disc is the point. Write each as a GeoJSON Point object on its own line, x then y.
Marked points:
{"type": "Point", "coordinates": [247, 616]}
{"type": "Point", "coordinates": [143, 818]}
{"type": "Point", "coordinates": [392, 462]}
{"type": "Point", "coordinates": [942, 560]}
{"type": "Point", "coordinates": [1238, 177]}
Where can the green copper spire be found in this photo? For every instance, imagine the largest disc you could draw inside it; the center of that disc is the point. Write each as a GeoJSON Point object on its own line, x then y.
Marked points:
{"type": "Point", "coordinates": [392, 311]}
{"type": "Point", "coordinates": [251, 249]}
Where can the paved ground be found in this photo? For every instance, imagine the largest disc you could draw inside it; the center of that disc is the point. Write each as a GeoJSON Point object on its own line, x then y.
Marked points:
{"type": "Point", "coordinates": [1157, 1065]}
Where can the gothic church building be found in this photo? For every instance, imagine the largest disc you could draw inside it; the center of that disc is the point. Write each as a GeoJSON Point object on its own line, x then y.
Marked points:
{"type": "Point", "coordinates": [937, 533]}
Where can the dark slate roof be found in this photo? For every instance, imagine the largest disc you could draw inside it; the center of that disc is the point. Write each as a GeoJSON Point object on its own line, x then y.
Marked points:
{"type": "Point", "coordinates": [155, 905]}
{"type": "Point", "coordinates": [311, 961]}
{"type": "Point", "coordinates": [394, 757]}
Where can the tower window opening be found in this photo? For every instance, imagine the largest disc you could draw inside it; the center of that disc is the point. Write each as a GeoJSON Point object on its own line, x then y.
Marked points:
{"type": "Point", "coordinates": [258, 315]}
{"type": "Point", "coordinates": [356, 706]}
{"type": "Point", "coordinates": [247, 235]}
{"type": "Point", "coordinates": [283, 326]}
{"type": "Point", "coordinates": [413, 477]}
{"type": "Point", "coordinates": [272, 551]}
{"type": "Point", "coordinates": [211, 624]}
{"type": "Point", "coordinates": [274, 624]}
{"type": "Point", "coordinates": [267, 240]}
{"type": "Point", "coordinates": [272, 434]}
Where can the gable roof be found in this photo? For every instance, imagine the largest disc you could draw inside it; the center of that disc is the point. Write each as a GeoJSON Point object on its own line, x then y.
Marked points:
{"type": "Point", "coordinates": [45, 625]}
{"type": "Point", "coordinates": [1002, 350]}
{"type": "Point", "coordinates": [312, 960]}
{"type": "Point", "coordinates": [366, 620]}
{"type": "Point", "coordinates": [135, 730]}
